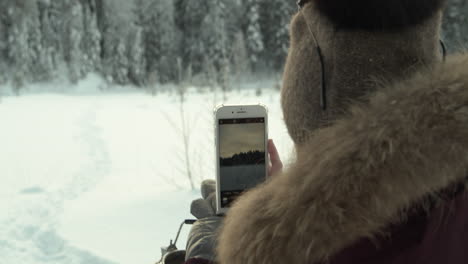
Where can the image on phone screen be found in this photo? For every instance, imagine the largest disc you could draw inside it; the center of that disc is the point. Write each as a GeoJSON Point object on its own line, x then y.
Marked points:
{"type": "Point", "coordinates": [242, 156]}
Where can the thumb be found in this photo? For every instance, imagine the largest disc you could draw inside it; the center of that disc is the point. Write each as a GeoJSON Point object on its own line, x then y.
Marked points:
{"type": "Point", "coordinates": [276, 163]}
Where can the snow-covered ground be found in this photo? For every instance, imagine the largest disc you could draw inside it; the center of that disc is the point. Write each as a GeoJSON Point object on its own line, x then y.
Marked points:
{"type": "Point", "coordinates": [100, 178]}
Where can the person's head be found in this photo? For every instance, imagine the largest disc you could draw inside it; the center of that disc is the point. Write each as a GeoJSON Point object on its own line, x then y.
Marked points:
{"type": "Point", "coordinates": [361, 41]}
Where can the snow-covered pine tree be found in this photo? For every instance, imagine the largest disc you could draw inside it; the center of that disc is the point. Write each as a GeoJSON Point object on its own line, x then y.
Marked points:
{"type": "Point", "coordinates": [104, 22]}
{"type": "Point", "coordinates": [3, 44]}
{"type": "Point", "coordinates": [19, 56]}
{"type": "Point", "coordinates": [215, 42]}
{"type": "Point", "coordinates": [39, 68]}
{"type": "Point", "coordinates": [275, 16]}
{"type": "Point", "coordinates": [72, 37]}
{"type": "Point", "coordinates": [240, 59]}
{"type": "Point", "coordinates": [114, 28]}
{"type": "Point", "coordinates": [115, 64]}
{"type": "Point", "coordinates": [234, 17]}
{"type": "Point", "coordinates": [189, 17]}
{"type": "Point", "coordinates": [54, 36]}
{"type": "Point", "coordinates": [160, 38]}
{"type": "Point", "coordinates": [120, 62]}
{"type": "Point", "coordinates": [214, 35]}
{"type": "Point", "coordinates": [91, 43]}
{"type": "Point", "coordinates": [253, 33]}
{"type": "Point", "coordinates": [136, 56]}
{"type": "Point", "coordinates": [49, 51]}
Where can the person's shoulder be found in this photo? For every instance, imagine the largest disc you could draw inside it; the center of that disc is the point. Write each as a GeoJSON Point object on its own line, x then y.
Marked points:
{"type": "Point", "coordinates": [448, 79]}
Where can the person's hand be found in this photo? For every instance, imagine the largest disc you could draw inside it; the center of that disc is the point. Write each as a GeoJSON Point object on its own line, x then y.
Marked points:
{"type": "Point", "coordinates": [275, 160]}
{"type": "Point", "coordinates": [201, 243]}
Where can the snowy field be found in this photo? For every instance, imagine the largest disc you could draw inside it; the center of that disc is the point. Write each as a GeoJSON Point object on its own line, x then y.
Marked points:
{"type": "Point", "coordinates": [100, 178]}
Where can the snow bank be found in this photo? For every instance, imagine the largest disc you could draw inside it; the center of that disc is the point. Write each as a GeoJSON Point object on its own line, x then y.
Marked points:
{"type": "Point", "coordinates": [92, 84]}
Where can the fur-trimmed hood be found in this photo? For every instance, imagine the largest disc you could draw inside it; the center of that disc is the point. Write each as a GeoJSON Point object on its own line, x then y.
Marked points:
{"type": "Point", "coordinates": [360, 175]}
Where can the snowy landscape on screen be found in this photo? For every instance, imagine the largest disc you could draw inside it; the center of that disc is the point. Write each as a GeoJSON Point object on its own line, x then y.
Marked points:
{"type": "Point", "coordinates": [100, 177]}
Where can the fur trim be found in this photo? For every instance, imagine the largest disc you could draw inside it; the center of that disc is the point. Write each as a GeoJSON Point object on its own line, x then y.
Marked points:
{"type": "Point", "coordinates": [378, 14]}
{"type": "Point", "coordinates": [354, 179]}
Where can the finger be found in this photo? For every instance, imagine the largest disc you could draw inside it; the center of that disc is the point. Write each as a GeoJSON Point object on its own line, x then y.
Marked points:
{"type": "Point", "coordinates": [269, 156]}
{"type": "Point", "coordinates": [208, 187]}
{"type": "Point", "coordinates": [274, 156]}
{"type": "Point", "coordinates": [276, 169]}
{"type": "Point", "coordinates": [211, 200]}
{"type": "Point", "coordinates": [201, 208]}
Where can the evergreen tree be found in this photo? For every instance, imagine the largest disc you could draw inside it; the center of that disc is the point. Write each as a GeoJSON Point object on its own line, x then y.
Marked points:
{"type": "Point", "coordinates": [240, 60]}
{"type": "Point", "coordinates": [116, 61]}
{"type": "Point", "coordinates": [39, 69]}
{"type": "Point", "coordinates": [120, 63]}
{"type": "Point", "coordinates": [4, 60]}
{"type": "Point", "coordinates": [54, 37]}
{"type": "Point", "coordinates": [234, 18]}
{"type": "Point", "coordinates": [214, 35]}
{"type": "Point", "coordinates": [107, 30]}
{"type": "Point", "coordinates": [275, 16]}
{"type": "Point", "coordinates": [136, 56]}
{"type": "Point", "coordinates": [160, 38]}
{"type": "Point", "coordinates": [114, 34]}
{"type": "Point", "coordinates": [91, 43]}
{"type": "Point", "coordinates": [19, 54]}
{"type": "Point", "coordinates": [49, 52]}
{"type": "Point", "coordinates": [3, 51]}
{"type": "Point", "coordinates": [253, 33]}
{"type": "Point", "coordinates": [189, 18]}
{"type": "Point", "coordinates": [73, 33]}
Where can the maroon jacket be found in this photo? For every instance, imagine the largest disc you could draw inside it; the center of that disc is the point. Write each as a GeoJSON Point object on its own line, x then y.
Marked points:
{"type": "Point", "coordinates": [440, 236]}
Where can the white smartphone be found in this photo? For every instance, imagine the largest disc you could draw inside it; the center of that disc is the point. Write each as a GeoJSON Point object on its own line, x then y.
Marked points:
{"type": "Point", "coordinates": [241, 133]}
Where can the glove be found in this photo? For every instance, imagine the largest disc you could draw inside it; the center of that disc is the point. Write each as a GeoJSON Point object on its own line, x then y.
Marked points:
{"type": "Point", "coordinates": [202, 240]}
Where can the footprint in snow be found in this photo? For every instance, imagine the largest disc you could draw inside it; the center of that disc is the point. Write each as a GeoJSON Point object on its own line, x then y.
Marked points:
{"type": "Point", "coordinates": [32, 190]}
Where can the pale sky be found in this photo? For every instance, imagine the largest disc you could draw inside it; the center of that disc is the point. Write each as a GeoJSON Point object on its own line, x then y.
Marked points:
{"type": "Point", "coordinates": [235, 138]}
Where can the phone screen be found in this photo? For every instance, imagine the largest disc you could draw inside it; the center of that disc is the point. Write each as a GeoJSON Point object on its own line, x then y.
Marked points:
{"type": "Point", "coordinates": [242, 156]}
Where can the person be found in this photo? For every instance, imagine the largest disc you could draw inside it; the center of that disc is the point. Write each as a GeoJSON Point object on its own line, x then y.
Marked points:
{"type": "Point", "coordinates": [379, 120]}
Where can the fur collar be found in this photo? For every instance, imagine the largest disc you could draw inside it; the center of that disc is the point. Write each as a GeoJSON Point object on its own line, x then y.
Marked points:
{"type": "Point", "coordinates": [355, 178]}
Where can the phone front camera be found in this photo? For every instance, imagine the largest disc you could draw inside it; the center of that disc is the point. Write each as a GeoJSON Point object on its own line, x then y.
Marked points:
{"type": "Point", "coordinates": [233, 112]}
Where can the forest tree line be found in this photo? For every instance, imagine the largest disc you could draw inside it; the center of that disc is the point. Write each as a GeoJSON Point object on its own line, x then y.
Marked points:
{"type": "Point", "coordinates": [154, 41]}
{"type": "Point", "coordinates": [252, 157]}
{"type": "Point", "coordinates": [41, 40]}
